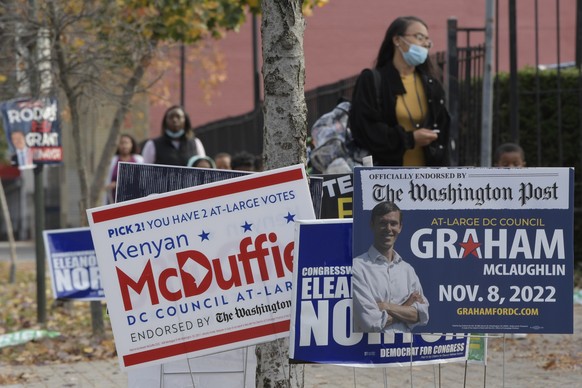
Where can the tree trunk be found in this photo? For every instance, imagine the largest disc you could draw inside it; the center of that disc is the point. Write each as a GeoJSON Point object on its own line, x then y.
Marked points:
{"type": "Point", "coordinates": [285, 132]}
{"type": "Point", "coordinates": [97, 323]}
{"type": "Point", "coordinates": [284, 107]}
{"type": "Point", "coordinates": [129, 90]}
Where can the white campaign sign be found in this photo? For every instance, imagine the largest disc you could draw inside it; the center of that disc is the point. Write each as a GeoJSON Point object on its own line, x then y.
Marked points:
{"type": "Point", "coordinates": [201, 270]}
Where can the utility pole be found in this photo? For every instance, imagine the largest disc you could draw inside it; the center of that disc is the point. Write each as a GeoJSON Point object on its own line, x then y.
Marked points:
{"type": "Point", "coordinates": [37, 55]}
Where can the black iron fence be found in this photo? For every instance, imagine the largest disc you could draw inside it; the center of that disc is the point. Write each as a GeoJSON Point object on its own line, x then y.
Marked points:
{"type": "Point", "coordinates": [245, 132]}
{"type": "Point", "coordinates": [464, 74]}
{"type": "Point", "coordinates": [240, 133]}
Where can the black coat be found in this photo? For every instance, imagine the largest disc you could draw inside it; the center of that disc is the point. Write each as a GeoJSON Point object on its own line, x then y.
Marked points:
{"type": "Point", "coordinates": [376, 128]}
{"type": "Point", "coordinates": [167, 154]}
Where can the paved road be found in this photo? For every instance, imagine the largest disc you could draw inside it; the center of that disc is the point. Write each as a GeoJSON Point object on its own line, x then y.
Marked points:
{"type": "Point", "coordinates": [25, 250]}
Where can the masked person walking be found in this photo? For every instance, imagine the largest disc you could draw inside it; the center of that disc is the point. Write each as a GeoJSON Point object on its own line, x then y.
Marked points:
{"type": "Point", "coordinates": [408, 125]}
{"type": "Point", "coordinates": [177, 142]}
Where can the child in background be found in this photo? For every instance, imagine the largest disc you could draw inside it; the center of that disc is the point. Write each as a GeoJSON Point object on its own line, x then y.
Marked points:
{"type": "Point", "coordinates": [201, 162]}
{"type": "Point", "coordinates": [222, 160]}
{"type": "Point", "coordinates": [509, 155]}
{"type": "Point", "coordinates": [243, 161]}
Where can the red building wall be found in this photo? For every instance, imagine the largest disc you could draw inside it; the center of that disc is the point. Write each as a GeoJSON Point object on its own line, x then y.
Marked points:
{"type": "Point", "coordinates": [343, 37]}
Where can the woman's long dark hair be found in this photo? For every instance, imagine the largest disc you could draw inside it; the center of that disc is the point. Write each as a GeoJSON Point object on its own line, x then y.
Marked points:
{"type": "Point", "coordinates": [398, 28]}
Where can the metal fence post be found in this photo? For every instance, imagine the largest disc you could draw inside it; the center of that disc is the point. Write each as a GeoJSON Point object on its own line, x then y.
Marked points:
{"type": "Point", "coordinates": [452, 86]}
{"type": "Point", "coordinates": [513, 76]}
{"type": "Point", "coordinates": [487, 109]}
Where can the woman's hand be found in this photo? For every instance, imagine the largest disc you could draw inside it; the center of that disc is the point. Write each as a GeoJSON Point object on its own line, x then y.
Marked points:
{"type": "Point", "coordinates": [423, 137]}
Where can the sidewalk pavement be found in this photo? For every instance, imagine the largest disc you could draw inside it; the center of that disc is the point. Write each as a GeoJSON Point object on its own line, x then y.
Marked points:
{"type": "Point", "coordinates": [544, 361]}
{"type": "Point", "coordinates": [539, 360]}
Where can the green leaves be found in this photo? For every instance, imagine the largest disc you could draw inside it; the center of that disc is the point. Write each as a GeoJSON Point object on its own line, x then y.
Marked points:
{"type": "Point", "coordinates": [184, 21]}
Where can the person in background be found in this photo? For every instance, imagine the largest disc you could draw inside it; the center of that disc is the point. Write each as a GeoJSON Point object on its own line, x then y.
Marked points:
{"type": "Point", "coordinates": [509, 155]}
{"type": "Point", "coordinates": [259, 163]}
{"type": "Point", "coordinates": [409, 124]}
{"type": "Point", "coordinates": [177, 142]}
{"type": "Point", "coordinates": [222, 160]}
{"type": "Point", "coordinates": [202, 162]}
{"type": "Point", "coordinates": [127, 151]}
{"type": "Point", "coordinates": [243, 161]}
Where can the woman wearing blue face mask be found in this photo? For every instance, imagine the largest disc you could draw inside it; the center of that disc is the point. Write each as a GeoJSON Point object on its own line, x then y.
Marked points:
{"type": "Point", "coordinates": [409, 124]}
{"type": "Point", "coordinates": [177, 143]}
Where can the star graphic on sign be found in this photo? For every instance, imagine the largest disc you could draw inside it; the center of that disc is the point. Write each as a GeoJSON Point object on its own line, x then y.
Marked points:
{"type": "Point", "coordinates": [247, 227]}
{"type": "Point", "coordinates": [204, 235]}
{"type": "Point", "coordinates": [290, 217]}
{"type": "Point", "coordinates": [470, 247]}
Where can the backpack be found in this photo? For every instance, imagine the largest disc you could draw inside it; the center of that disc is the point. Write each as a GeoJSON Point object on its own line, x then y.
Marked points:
{"type": "Point", "coordinates": [335, 151]}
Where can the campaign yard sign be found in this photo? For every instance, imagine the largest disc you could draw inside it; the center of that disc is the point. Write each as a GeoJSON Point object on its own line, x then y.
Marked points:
{"type": "Point", "coordinates": [140, 180]}
{"type": "Point", "coordinates": [321, 329]}
{"type": "Point", "coordinates": [492, 248]}
{"type": "Point", "coordinates": [73, 264]}
{"type": "Point", "coordinates": [201, 270]}
{"type": "Point", "coordinates": [336, 201]}
{"type": "Point", "coordinates": [33, 130]}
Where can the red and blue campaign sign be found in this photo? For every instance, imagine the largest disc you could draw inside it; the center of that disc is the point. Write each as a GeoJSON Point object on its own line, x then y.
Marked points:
{"type": "Point", "coordinates": [321, 324]}
{"type": "Point", "coordinates": [73, 264]}
{"type": "Point", "coordinates": [201, 270]}
{"type": "Point", "coordinates": [483, 249]}
{"type": "Point", "coordinates": [33, 130]}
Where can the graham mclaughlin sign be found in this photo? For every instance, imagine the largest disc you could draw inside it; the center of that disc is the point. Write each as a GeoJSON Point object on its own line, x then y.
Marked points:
{"type": "Point", "coordinates": [201, 270]}
{"type": "Point", "coordinates": [486, 250]}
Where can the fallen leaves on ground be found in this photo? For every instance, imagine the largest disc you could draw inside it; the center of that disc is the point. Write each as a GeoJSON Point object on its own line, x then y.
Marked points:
{"type": "Point", "coordinates": [76, 343]}
{"type": "Point", "coordinates": [547, 351]}
{"type": "Point", "coordinates": [71, 319]}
